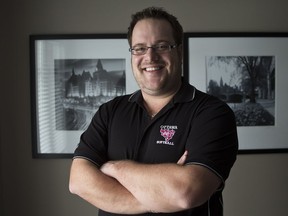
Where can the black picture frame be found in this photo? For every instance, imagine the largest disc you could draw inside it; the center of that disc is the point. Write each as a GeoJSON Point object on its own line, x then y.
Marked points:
{"type": "Point", "coordinates": [204, 50]}
{"type": "Point", "coordinates": [71, 76]}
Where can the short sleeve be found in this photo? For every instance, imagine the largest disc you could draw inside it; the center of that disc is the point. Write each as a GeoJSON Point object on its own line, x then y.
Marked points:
{"type": "Point", "coordinates": [213, 141]}
{"type": "Point", "coordinates": [93, 142]}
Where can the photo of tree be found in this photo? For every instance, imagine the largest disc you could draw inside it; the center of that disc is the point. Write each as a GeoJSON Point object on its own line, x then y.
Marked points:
{"type": "Point", "coordinates": [246, 84]}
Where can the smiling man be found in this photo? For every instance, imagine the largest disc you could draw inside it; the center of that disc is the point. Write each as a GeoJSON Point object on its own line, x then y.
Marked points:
{"type": "Point", "coordinates": [166, 149]}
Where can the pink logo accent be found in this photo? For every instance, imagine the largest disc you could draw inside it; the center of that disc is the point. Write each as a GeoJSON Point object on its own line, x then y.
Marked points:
{"type": "Point", "coordinates": [167, 134]}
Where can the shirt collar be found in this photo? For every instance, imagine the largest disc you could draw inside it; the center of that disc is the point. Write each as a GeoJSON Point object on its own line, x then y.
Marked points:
{"type": "Point", "coordinates": [185, 94]}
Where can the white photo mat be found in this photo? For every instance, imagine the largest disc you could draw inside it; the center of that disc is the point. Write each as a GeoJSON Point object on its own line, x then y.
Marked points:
{"type": "Point", "coordinates": [252, 139]}
{"type": "Point", "coordinates": [47, 141]}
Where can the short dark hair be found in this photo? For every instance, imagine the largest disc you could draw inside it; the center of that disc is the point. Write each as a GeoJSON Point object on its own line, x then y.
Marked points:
{"type": "Point", "coordinates": [156, 13]}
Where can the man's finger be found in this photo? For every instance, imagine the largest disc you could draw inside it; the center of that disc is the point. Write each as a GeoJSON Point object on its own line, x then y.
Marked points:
{"type": "Point", "coordinates": [183, 158]}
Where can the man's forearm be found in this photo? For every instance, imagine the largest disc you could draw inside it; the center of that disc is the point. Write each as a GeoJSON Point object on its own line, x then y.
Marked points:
{"type": "Point", "coordinates": [158, 187]}
{"type": "Point", "coordinates": [101, 190]}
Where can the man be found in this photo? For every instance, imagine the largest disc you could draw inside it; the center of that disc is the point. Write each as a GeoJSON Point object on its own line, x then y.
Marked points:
{"type": "Point", "coordinates": [167, 148]}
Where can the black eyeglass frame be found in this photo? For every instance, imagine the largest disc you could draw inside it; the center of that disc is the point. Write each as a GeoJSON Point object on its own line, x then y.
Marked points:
{"type": "Point", "coordinates": [154, 48]}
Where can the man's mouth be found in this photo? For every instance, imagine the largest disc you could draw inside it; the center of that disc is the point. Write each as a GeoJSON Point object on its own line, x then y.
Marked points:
{"type": "Point", "coordinates": [150, 69]}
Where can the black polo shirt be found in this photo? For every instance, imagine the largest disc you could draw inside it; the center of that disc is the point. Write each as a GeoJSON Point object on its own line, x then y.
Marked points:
{"type": "Point", "coordinates": [193, 121]}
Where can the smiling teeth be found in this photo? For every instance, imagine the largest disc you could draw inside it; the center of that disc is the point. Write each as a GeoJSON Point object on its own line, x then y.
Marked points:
{"type": "Point", "coordinates": [152, 68]}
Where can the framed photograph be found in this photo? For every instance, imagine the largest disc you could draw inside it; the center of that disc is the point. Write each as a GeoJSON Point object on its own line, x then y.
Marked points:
{"type": "Point", "coordinates": [249, 72]}
{"type": "Point", "coordinates": [71, 76]}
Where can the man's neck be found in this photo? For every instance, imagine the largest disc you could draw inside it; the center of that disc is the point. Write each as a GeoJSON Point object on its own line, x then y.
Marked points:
{"type": "Point", "coordinates": [154, 103]}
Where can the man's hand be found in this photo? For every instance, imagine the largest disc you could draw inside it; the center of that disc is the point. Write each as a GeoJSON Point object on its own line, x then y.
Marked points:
{"type": "Point", "coordinates": [183, 158]}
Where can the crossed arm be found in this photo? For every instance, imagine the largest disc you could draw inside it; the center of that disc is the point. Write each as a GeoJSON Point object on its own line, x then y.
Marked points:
{"type": "Point", "coordinates": [129, 187]}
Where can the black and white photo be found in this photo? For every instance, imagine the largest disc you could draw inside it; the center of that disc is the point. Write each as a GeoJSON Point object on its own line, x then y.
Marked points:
{"type": "Point", "coordinates": [71, 76]}
{"type": "Point", "coordinates": [82, 85]}
{"type": "Point", "coordinates": [246, 84]}
{"type": "Point", "coordinates": [248, 71]}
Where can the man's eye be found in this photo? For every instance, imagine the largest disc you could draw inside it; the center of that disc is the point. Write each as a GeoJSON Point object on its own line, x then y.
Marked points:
{"type": "Point", "coordinates": [140, 49]}
{"type": "Point", "coordinates": [162, 46]}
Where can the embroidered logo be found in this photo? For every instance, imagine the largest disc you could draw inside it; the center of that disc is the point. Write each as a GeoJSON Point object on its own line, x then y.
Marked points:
{"type": "Point", "coordinates": [167, 131]}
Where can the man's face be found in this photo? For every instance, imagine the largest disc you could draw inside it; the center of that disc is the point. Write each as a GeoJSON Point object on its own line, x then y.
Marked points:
{"type": "Point", "coordinates": [156, 73]}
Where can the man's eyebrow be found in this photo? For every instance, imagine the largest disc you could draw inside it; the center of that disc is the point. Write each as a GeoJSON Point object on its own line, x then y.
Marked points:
{"type": "Point", "coordinates": [162, 41]}
{"type": "Point", "coordinates": [157, 42]}
{"type": "Point", "coordinates": [139, 44]}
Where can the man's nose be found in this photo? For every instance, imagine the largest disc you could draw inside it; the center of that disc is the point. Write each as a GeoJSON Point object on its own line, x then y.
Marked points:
{"type": "Point", "coordinates": [152, 54]}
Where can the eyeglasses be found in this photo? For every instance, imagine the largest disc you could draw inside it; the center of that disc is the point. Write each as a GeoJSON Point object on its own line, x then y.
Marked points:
{"type": "Point", "coordinates": [158, 48]}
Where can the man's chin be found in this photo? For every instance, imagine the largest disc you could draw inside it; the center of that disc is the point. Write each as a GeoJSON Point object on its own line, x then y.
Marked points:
{"type": "Point", "coordinates": [153, 90]}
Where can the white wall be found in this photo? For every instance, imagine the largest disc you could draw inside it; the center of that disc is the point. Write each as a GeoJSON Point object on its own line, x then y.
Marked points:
{"type": "Point", "coordinates": [258, 183]}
